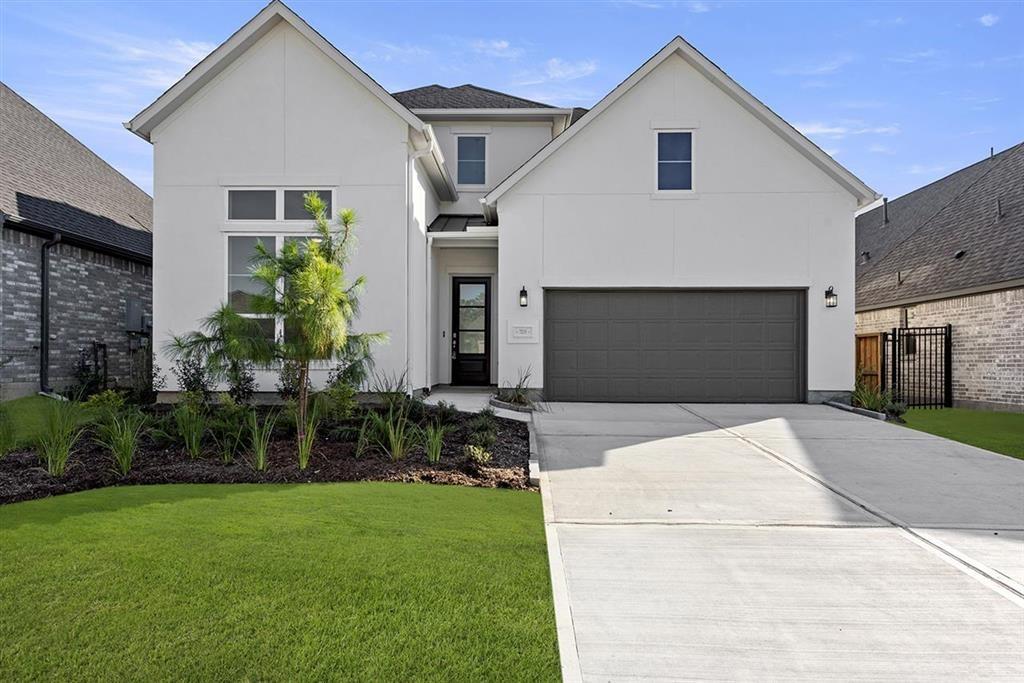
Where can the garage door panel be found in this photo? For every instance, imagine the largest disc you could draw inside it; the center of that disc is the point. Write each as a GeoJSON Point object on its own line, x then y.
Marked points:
{"type": "Point", "coordinates": [674, 345]}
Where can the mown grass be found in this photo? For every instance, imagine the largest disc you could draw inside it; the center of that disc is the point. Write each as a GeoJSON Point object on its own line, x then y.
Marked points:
{"type": "Point", "coordinates": [994, 431]}
{"type": "Point", "coordinates": [27, 416]}
{"type": "Point", "coordinates": [362, 581]}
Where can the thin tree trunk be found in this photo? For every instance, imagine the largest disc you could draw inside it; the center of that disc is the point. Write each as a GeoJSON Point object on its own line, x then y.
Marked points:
{"type": "Point", "coordinates": [303, 400]}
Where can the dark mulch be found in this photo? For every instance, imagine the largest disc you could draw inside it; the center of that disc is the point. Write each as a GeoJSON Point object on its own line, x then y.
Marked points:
{"type": "Point", "coordinates": [23, 477]}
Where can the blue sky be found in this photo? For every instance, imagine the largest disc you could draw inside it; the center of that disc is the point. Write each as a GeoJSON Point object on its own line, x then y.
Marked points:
{"type": "Point", "coordinates": [900, 93]}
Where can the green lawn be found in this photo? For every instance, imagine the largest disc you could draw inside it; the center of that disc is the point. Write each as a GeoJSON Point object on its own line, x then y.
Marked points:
{"type": "Point", "coordinates": [999, 432]}
{"type": "Point", "coordinates": [28, 416]}
{"type": "Point", "coordinates": [366, 581]}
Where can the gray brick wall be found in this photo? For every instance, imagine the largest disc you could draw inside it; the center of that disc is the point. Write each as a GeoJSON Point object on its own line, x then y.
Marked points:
{"type": "Point", "coordinates": [88, 296]}
{"type": "Point", "coordinates": [988, 343]}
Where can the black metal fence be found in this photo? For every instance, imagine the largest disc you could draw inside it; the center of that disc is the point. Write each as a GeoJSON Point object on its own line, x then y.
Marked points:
{"type": "Point", "coordinates": [917, 366]}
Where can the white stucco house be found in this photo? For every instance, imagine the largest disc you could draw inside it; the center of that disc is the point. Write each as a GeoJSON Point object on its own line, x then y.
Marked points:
{"type": "Point", "coordinates": [674, 243]}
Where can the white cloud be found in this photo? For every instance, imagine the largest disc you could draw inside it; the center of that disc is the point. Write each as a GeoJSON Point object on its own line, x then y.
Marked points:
{"type": "Point", "coordinates": [831, 151]}
{"type": "Point", "coordinates": [885, 21]}
{"type": "Point", "coordinates": [556, 69]}
{"type": "Point", "coordinates": [861, 104]}
{"type": "Point", "coordinates": [698, 7]}
{"type": "Point", "coordinates": [914, 57]}
{"type": "Point", "coordinates": [820, 68]}
{"type": "Point", "coordinates": [988, 20]}
{"type": "Point", "coordinates": [392, 52]}
{"type": "Point", "coordinates": [880, 149]}
{"type": "Point", "coordinates": [842, 129]}
{"type": "Point", "coordinates": [495, 48]}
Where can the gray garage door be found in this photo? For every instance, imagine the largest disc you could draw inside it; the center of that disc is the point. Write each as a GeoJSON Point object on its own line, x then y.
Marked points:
{"type": "Point", "coordinates": [674, 345]}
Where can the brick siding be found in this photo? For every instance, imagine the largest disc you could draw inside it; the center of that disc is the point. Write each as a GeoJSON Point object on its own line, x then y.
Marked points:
{"type": "Point", "coordinates": [88, 296]}
{"type": "Point", "coordinates": [988, 343]}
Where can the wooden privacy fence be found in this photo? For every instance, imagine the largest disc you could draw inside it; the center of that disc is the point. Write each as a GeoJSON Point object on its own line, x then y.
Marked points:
{"type": "Point", "coordinates": [914, 363]}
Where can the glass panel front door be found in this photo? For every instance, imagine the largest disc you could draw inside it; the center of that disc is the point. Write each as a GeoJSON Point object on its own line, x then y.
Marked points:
{"type": "Point", "coordinates": [471, 305]}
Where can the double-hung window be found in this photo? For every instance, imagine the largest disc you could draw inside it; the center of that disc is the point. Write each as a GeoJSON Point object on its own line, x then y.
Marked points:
{"type": "Point", "coordinates": [472, 158]}
{"type": "Point", "coordinates": [675, 160]}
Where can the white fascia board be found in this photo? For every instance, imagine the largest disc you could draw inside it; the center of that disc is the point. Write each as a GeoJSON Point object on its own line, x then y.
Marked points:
{"type": "Point", "coordinates": [705, 66]}
{"type": "Point", "coordinates": [525, 113]}
{"type": "Point", "coordinates": [217, 61]}
{"type": "Point", "coordinates": [437, 169]}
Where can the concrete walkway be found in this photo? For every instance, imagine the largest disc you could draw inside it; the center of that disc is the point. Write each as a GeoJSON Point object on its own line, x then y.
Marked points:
{"type": "Point", "coordinates": [766, 542]}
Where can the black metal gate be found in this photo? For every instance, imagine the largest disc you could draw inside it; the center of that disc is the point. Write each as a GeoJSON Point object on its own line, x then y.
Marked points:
{"type": "Point", "coordinates": [917, 366]}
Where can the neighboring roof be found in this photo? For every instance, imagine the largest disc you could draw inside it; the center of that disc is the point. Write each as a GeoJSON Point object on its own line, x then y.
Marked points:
{"type": "Point", "coordinates": [450, 222]}
{"type": "Point", "coordinates": [712, 72]}
{"type": "Point", "coordinates": [52, 181]}
{"type": "Point", "coordinates": [466, 96]}
{"type": "Point", "coordinates": [217, 61]}
{"type": "Point", "coordinates": [929, 226]}
{"type": "Point", "coordinates": [577, 114]}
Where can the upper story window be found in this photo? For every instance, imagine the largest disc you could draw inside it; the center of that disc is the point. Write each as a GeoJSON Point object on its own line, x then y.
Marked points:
{"type": "Point", "coordinates": [472, 150]}
{"type": "Point", "coordinates": [252, 205]}
{"type": "Point", "coordinates": [675, 160]}
{"type": "Point", "coordinates": [275, 204]}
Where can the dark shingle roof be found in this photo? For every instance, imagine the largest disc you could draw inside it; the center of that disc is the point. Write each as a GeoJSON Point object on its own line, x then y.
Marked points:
{"type": "Point", "coordinates": [449, 222]}
{"type": "Point", "coordinates": [462, 97]}
{"type": "Point", "coordinates": [577, 114]}
{"type": "Point", "coordinates": [928, 226]}
{"type": "Point", "coordinates": [51, 179]}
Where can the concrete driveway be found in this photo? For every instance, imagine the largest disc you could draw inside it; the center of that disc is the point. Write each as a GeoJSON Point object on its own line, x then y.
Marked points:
{"type": "Point", "coordinates": [740, 541]}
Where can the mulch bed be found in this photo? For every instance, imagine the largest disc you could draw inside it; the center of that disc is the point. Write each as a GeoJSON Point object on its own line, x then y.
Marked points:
{"type": "Point", "coordinates": [23, 477]}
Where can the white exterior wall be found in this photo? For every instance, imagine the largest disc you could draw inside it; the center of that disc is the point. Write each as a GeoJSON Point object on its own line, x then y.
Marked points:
{"type": "Point", "coordinates": [762, 215]}
{"type": "Point", "coordinates": [451, 262]}
{"type": "Point", "coordinates": [282, 114]}
{"type": "Point", "coordinates": [509, 144]}
{"type": "Point", "coordinates": [423, 207]}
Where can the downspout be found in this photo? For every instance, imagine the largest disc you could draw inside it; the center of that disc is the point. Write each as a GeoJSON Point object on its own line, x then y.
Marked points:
{"type": "Point", "coordinates": [44, 314]}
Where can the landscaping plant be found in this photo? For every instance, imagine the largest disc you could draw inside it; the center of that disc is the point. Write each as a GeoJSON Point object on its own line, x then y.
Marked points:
{"type": "Point", "coordinates": [119, 433]}
{"type": "Point", "coordinates": [190, 420]}
{"type": "Point", "coordinates": [60, 433]}
{"type": "Point", "coordinates": [390, 389]}
{"type": "Point", "coordinates": [868, 397]}
{"type": "Point", "coordinates": [6, 433]}
{"type": "Point", "coordinates": [517, 394]}
{"type": "Point", "coordinates": [190, 369]}
{"type": "Point", "coordinates": [105, 403]}
{"type": "Point", "coordinates": [447, 412]}
{"type": "Point", "coordinates": [260, 432]}
{"type": "Point", "coordinates": [477, 455]}
{"type": "Point", "coordinates": [308, 437]}
{"type": "Point", "coordinates": [227, 427]}
{"type": "Point", "coordinates": [433, 441]}
{"type": "Point", "coordinates": [394, 432]}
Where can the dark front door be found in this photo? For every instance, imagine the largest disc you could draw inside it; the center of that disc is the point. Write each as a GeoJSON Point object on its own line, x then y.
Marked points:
{"type": "Point", "coordinates": [471, 327]}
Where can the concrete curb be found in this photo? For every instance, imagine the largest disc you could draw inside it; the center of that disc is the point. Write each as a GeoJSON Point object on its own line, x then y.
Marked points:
{"type": "Point", "coordinates": [860, 411]}
{"type": "Point", "coordinates": [534, 456]}
{"type": "Point", "coordinates": [493, 400]}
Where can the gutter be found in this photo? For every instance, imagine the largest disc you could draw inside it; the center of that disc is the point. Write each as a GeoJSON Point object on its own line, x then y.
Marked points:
{"type": "Point", "coordinates": [44, 313]}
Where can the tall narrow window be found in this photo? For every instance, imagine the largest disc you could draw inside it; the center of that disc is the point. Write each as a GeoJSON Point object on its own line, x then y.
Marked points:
{"type": "Point", "coordinates": [675, 161]}
{"type": "Point", "coordinates": [472, 160]}
{"type": "Point", "coordinates": [252, 205]}
{"type": "Point", "coordinates": [241, 284]}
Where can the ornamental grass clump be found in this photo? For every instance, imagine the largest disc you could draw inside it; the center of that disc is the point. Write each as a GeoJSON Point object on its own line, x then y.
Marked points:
{"type": "Point", "coordinates": [119, 433]}
{"type": "Point", "coordinates": [433, 441]}
{"type": "Point", "coordinates": [394, 432]}
{"type": "Point", "coordinates": [260, 432]}
{"type": "Point", "coordinates": [190, 420]}
{"type": "Point", "coordinates": [60, 433]}
{"type": "Point", "coordinates": [308, 438]}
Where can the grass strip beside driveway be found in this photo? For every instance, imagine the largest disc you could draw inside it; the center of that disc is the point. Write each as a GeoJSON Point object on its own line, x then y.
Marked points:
{"type": "Point", "coordinates": [994, 431]}
{"type": "Point", "coordinates": [366, 581]}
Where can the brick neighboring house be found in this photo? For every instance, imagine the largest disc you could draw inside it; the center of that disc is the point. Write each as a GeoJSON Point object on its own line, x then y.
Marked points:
{"type": "Point", "coordinates": [952, 252]}
{"type": "Point", "coordinates": [63, 204]}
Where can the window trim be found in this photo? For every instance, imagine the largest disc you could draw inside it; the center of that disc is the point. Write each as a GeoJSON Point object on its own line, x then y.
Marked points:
{"type": "Point", "coordinates": [692, 192]}
{"type": "Point", "coordinates": [487, 161]}
{"type": "Point", "coordinates": [278, 204]}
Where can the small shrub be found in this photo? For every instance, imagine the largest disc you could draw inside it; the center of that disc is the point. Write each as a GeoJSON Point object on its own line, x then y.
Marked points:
{"type": "Point", "coordinates": [868, 397]}
{"type": "Point", "coordinates": [106, 403]}
{"type": "Point", "coordinates": [394, 432]}
{"type": "Point", "coordinates": [483, 438]}
{"type": "Point", "coordinates": [289, 380]}
{"type": "Point", "coordinates": [7, 443]}
{"type": "Point", "coordinates": [433, 441]}
{"type": "Point", "coordinates": [119, 434]}
{"type": "Point", "coordinates": [190, 423]}
{"type": "Point", "coordinates": [484, 421]}
{"type": "Point", "coordinates": [415, 408]}
{"type": "Point", "coordinates": [260, 432]}
{"type": "Point", "coordinates": [241, 379]}
{"type": "Point", "coordinates": [60, 433]}
{"type": "Point", "coordinates": [337, 402]}
{"type": "Point", "coordinates": [390, 389]}
{"type": "Point", "coordinates": [447, 412]}
{"type": "Point", "coordinates": [519, 392]}
{"type": "Point", "coordinates": [477, 455]}
{"type": "Point", "coordinates": [227, 427]}
{"type": "Point", "coordinates": [192, 375]}
{"type": "Point", "coordinates": [895, 410]}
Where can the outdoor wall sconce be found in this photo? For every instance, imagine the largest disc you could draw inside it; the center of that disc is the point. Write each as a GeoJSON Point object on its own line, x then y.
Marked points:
{"type": "Point", "coordinates": [523, 297]}
{"type": "Point", "coordinates": [831, 298]}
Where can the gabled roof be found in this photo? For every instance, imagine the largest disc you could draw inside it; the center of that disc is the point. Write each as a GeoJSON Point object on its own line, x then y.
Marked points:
{"type": "Point", "coordinates": [913, 256]}
{"type": "Point", "coordinates": [202, 73]}
{"type": "Point", "coordinates": [466, 96]}
{"type": "Point", "coordinates": [678, 46]}
{"type": "Point", "coordinates": [50, 181]}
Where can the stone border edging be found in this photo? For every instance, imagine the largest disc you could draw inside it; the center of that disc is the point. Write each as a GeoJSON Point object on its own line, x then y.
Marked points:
{"type": "Point", "coordinates": [493, 400]}
{"type": "Point", "coordinates": [860, 411]}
